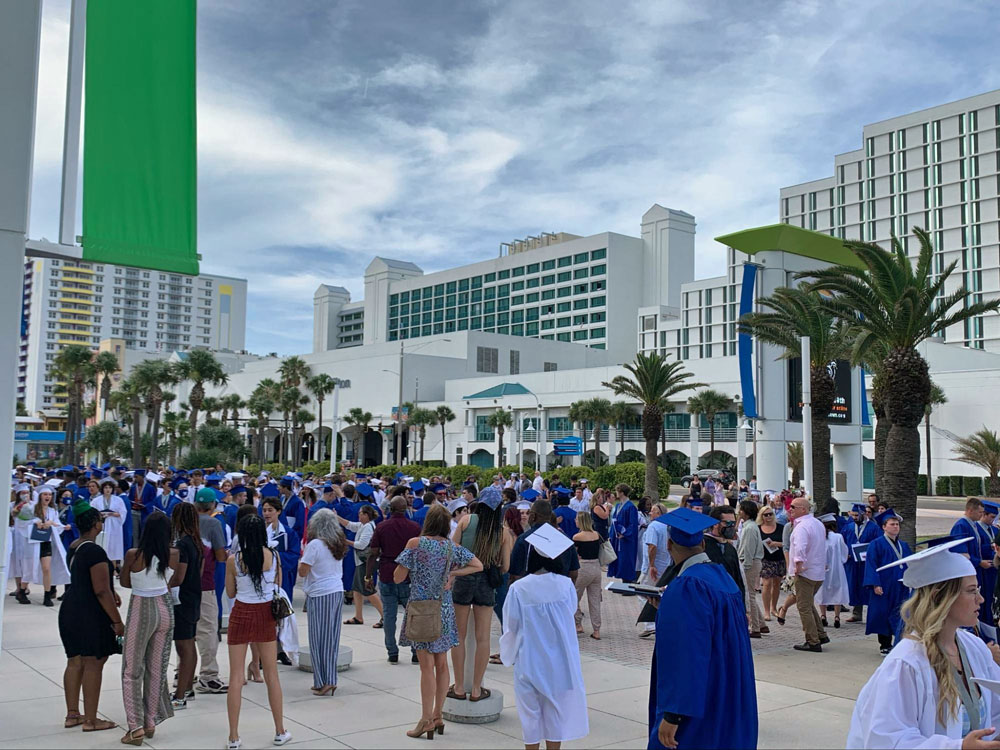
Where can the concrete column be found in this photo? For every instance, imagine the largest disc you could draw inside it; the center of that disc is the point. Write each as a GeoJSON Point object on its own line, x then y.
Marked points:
{"type": "Point", "coordinates": [473, 712]}
{"type": "Point", "coordinates": [741, 453]}
{"type": "Point", "coordinates": [612, 444]}
{"type": "Point", "coordinates": [512, 456]}
{"type": "Point", "coordinates": [848, 458]}
{"type": "Point", "coordinates": [693, 448]}
{"type": "Point", "coordinates": [770, 458]}
{"type": "Point", "coordinates": [543, 455]}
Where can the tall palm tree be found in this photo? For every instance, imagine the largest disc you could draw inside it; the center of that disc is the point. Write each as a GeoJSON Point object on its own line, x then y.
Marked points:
{"type": "Point", "coordinates": [360, 418]}
{"type": "Point", "coordinates": [172, 421]}
{"type": "Point", "coordinates": [786, 316]}
{"type": "Point", "coordinates": [132, 395]}
{"type": "Point", "coordinates": [982, 449]}
{"type": "Point", "coordinates": [598, 411]}
{"type": "Point", "coordinates": [294, 371]}
{"type": "Point", "coordinates": [653, 381]}
{"type": "Point", "coordinates": [105, 366]}
{"type": "Point", "coordinates": [936, 398]}
{"type": "Point", "coordinates": [622, 416]}
{"type": "Point", "coordinates": [233, 403]}
{"type": "Point", "coordinates": [300, 418]}
{"type": "Point", "coordinates": [444, 415]}
{"type": "Point", "coordinates": [290, 399]}
{"type": "Point", "coordinates": [74, 365]}
{"type": "Point", "coordinates": [101, 439]}
{"type": "Point", "coordinates": [500, 420]}
{"type": "Point", "coordinates": [150, 376]}
{"type": "Point", "coordinates": [200, 367]}
{"type": "Point", "coordinates": [578, 414]}
{"type": "Point", "coordinates": [321, 386]}
{"type": "Point", "coordinates": [421, 419]}
{"type": "Point", "coordinates": [210, 405]}
{"type": "Point", "coordinates": [709, 403]}
{"type": "Point", "coordinates": [261, 403]}
{"type": "Point", "coordinates": [892, 301]}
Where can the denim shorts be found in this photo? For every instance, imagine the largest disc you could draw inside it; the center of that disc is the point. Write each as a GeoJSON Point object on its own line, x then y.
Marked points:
{"type": "Point", "coordinates": [473, 589]}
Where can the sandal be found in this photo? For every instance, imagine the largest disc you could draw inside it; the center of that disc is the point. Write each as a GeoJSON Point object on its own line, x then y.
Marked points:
{"type": "Point", "coordinates": [780, 617]}
{"type": "Point", "coordinates": [73, 720]}
{"type": "Point", "coordinates": [99, 726]}
{"type": "Point", "coordinates": [452, 694]}
{"type": "Point", "coordinates": [484, 693]}
{"type": "Point", "coordinates": [597, 637]}
{"type": "Point", "coordinates": [378, 625]}
{"type": "Point", "coordinates": [354, 621]}
{"type": "Point", "coordinates": [495, 659]}
{"type": "Point", "coordinates": [134, 737]}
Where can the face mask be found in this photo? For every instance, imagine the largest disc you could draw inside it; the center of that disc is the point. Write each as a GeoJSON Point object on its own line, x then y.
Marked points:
{"type": "Point", "coordinates": [728, 532]}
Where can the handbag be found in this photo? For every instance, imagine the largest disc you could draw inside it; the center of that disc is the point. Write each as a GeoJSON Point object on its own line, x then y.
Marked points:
{"type": "Point", "coordinates": [423, 618]}
{"type": "Point", "coordinates": [606, 554]}
{"type": "Point", "coordinates": [494, 576]}
{"type": "Point", "coordinates": [280, 606]}
{"type": "Point", "coordinates": [40, 535]}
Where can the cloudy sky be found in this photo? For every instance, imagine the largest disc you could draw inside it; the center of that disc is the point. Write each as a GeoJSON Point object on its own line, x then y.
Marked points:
{"type": "Point", "coordinates": [432, 131]}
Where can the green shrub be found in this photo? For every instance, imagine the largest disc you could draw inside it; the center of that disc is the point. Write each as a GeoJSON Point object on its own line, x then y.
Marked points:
{"type": "Point", "coordinates": [972, 485]}
{"type": "Point", "coordinates": [942, 486]}
{"type": "Point", "coordinates": [632, 473]}
{"type": "Point", "coordinates": [955, 488]}
{"type": "Point", "coordinates": [630, 455]}
{"type": "Point", "coordinates": [921, 484]}
{"type": "Point", "coordinates": [203, 458]}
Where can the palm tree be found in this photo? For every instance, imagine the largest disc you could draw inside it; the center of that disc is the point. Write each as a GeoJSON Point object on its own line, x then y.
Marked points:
{"type": "Point", "coordinates": [105, 366]}
{"type": "Point", "coordinates": [598, 411]}
{"type": "Point", "coordinates": [653, 382]}
{"type": "Point", "coordinates": [132, 395]}
{"type": "Point", "coordinates": [149, 377]}
{"type": "Point", "coordinates": [788, 315]}
{"type": "Point", "coordinates": [172, 422]}
{"type": "Point", "coordinates": [936, 398]}
{"type": "Point", "coordinates": [233, 403]}
{"type": "Point", "coordinates": [622, 416]}
{"type": "Point", "coordinates": [578, 415]}
{"type": "Point", "coordinates": [360, 418]}
{"type": "Point", "coordinates": [209, 406]}
{"type": "Point", "coordinates": [289, 400]}
{"type": "Point", "coordinates": [892, 302]}
{"type": "Point", "coordinates": [500, 420]}
{"type": "Point", "coordinates": [709, 403]}
{"type": "Point", "coordinates": [293, 371]}
{"type": "Point", "coordinates": [101, 439]}
{"type": "Point", "coordinates": [261, 403]}
{"type": "Point", "coordinates": [982, 449]}
{"type": "Point", "coordinates": [421, 419]}
{"type": "Point", "coordinates": [74, 365]}
{"type": "Point", "coordinates": [321, 386]}
{"type": "Point", "coordinates": [300, 418]}
{"type": "Point", "coordinates": [199, 366]}
{"type": "Point", "coordinates": [795, 462]}
{"type": "Point", "coordinates": [444, 415]}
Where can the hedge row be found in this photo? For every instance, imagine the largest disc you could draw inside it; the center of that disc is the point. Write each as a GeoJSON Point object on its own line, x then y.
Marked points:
{"type": "Point", "coordinates": [957, 486]}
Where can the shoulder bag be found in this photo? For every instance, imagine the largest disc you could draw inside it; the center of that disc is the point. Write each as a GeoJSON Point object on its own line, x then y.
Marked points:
{"type": "Point", "coordinates": [606, 554]}
{"type": "Point", "coordinates": [280, 606]}
{"type": "Point", "coordinates": [423, 618]}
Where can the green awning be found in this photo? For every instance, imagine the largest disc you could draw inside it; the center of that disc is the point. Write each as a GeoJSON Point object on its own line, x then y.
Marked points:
{"type": "Point", "coordinates": [794, 240]}
{"type": "Point", "coordinates": [498, 391]}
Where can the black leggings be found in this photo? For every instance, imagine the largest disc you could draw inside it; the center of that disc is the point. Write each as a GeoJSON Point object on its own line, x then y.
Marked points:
{"type": "Point", "coordinates": [884, 641]}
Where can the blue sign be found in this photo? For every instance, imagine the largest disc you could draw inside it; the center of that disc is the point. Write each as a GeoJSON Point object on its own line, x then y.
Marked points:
{"type": "Point", "coordinates": [40, 436]}
{"type": "Point", "coordinates": [568, 446]}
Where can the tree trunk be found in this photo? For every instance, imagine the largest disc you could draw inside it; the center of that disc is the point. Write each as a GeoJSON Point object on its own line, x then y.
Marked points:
{"type": "Point", "coordinates": [652, 488]}
{"type": "Point", "coordinates": [155, 438]}
{"type": "Point", "coordinates": [597, 445]}
{"type": "Point", "coordinates": [361, 448]}
{"type": "Point", "coordinates": [136, 438]}
{"type": "Point", "coordinates": [583, 434]}
{"type": "Point", "coordinates": [318, 442]}
{"type": "Point", "coordinates": [621, 438]}
{"type": "Point", "coordinates": [824, 392]}
{"type": "Point", "coordinates": [444, 455]}
{"type": "Point", "coordinates": [193, 420]}
{"type": "Point", "coordinates": [993, 486]}
{"type": "Point", "coordinates": [882, 425]}
{"type": "Point", "coordinates": [499, 447]}
{"type": "Point", "coordinates": [927, 444]}
{"type": "Point", "coordinates": [796, 478]}
{"type": "Point", "coordinates": [711, 440]}
{"type": "Point", "coordinates": [423, 435]}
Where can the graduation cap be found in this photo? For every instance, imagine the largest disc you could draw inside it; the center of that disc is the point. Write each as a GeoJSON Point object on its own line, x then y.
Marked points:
{"type": "Point", "coordinates": [399, 475]}
{"type": "Point", "coordinates": [139, 472]}
{"type": "Point", "coordinates": [327, 488]}
{"type": "Point", "coordinates": [239, 489]}
{"type": "Point", "coordinates": [365, 490]}
{"type": "Point", "coordinates": [286, 482]}
{"type": "Point", "coordinates": [153, 477]}
{"type": "Point", "coordinates": [67, 469]}
{"type": "Point", "coordinates": [121, 468]}
{"type": "Point", "coordinates": [417, 486]}
{"type": "Point", "coordinates": [106, 467]}
{"type": "Point", "coordinates": [530, 494]}
{"type": "Point", "coordinates": [455, 505]}
{"type": "Point", "coordinates": [991, 508]}
{"type": "Point", "coordinates": [687, 527]}
{"type": "Point", "coordinates": [491, 496]}
{"type": "Point", "coordinates": [934, 564]}
{"type": "Point", "coordinates": [696, 502]}
{"type": "Point", "coordinates": [439, 488]}
{"type": "Point", "coordinates": [828, 517]}
{"type": "Point", "coordinates": [523, 506]}
{"type": "Point", "coordinates": [564, 491]}
{"type": "Point", "coordinates": [859, 508]}
{"type": "Point", "coordinates": [885, 515]}
{"type": "Point", "coordinates": [23, 487]}
{"type": "Point", "coordinates": [269, 490]}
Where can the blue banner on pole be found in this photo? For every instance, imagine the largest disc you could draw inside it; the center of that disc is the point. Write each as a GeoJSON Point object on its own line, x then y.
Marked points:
{"type": "Point", "coordinates": [746, 343]}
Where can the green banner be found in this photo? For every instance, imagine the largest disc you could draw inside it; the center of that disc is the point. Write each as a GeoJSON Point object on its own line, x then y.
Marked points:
{"type": "Point", "coordinates": [140, 139]}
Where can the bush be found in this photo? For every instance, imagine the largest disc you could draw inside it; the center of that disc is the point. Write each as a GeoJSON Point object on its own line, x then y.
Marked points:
{"type": "Point", "coordinates": [955, 487]}
{"type": "Point", "coordinates": [921, 484]}
{"type": "Point", "coordinates": [630, 455]}
{"type": "Point", "coordinates": [972, 486]}
{"type": "Point", "coordinates": [942, 486]}
{"type": "Point", "coordinates": [223, 440]}
{"type": "Point", "coordinates": [206, 457]}
{"type": "Point", "coordinates": [633, 474]}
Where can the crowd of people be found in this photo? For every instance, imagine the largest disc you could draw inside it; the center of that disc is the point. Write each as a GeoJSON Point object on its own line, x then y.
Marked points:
{"type": "Point", "coordinates": [195, 546]}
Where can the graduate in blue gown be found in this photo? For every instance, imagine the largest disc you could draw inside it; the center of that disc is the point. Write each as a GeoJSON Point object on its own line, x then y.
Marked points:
{"type": "Point", "coordinates": [624, 539]}
{"type": "Point", "coordinates": [966, 526]}
{"type": "Point", "coordinates": [347, 509]}
{"type": "Point", "coordinates": [886, 590]}
{"type": "Point", "coordinates": [702, 692]}
{"type": "Point", "coordinates": [987, 575]}
{"type": "Point", "coordinates": [860, 530]}
{"type": "Point", "coordinates": [566, 516]}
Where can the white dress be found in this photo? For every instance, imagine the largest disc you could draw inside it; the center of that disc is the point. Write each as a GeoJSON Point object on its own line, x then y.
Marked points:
{"type": "Point", "coordinates": [834, 589]}
{"type": "Point", "coordinates": [31, 565]}
{"type": "Point", "coordinates": [112, 539]}
{"type": "Point", "coordinates": [897, 707]}
{"type": "Point", "coordinates": [539, 639]}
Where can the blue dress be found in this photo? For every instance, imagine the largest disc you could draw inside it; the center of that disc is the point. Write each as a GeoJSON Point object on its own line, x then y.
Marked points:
{"type": "Point", "coordinates": [883, 611]}
{"type": "Point", "coordinates": [853, 534]}
{"type": "Point", "coordinates": [691, 675]}
{"type": "Point", "coordinates": [625, 541]}
{"type": "Point", "coordinates": [426, 563]}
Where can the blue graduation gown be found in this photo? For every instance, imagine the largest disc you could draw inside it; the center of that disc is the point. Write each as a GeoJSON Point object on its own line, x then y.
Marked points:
{"type": "Point", "coordinates": [567, 520]}
{"type": "Point", "coordinates": [692, 675]}
{"type": "Point", "coordinates": [625, 541]}
{"type": "Point", "coordinates": [883, 611]}
{"type": "Point", "coordinates": [229, 513]}
{"type": "Point", "coordinates": [288, 549]}
{"type": "Point", "coordinates": [987, 576]}
{"type": "Point", "coordinates": [147, 499]}
{"type": "Point", "coordinates": [293, 515]}
{"type": "Point", "coordinates": [318, 505]}
{"type": "Point", "coordinates": [855, 570]}
{"type": "Point", "coordinates": [349, 512]}
{"type": "Point", "coordinates": [127, 524]}
{"type": "Point", "coordinates": [962, 528]}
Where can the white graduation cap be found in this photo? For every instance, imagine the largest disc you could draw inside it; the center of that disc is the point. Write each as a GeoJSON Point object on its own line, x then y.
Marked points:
{"type": "Point", "coordinates": [53, 482]}
{"type": "Point", "coordinates": [23, 487]}
{"type": "Point", "coordinates": [549, 541]}
{"type": "Point", "coordinates": [931, 565]}
{"type": "Point", "coordinates": [828, 518]}
{"type": "Point", "coordinates": [152, 477]}
{"type": "Point", "coordinates": [234, 475]}
{"type": "Point", "coordinates": [32, 477]}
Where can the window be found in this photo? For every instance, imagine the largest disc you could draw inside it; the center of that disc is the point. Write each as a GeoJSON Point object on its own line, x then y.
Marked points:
{"type": "Point", "coordinates": [504, 274]}
{"type": "Point", "coordinates": [515, 362]}
{"type": "Point", "coordinates": [487, 359]}
{"type": "Point", "coordinates": [599, 254]}
{"type": "Point", "coordinates": [532, 268]}
{"type": "Point", "coordinates": [581, 257]}
{"type": "Point", "coordinates": [598, 270]}
{"type": "Point", "coordinates": [566, 260]}
{"type": "Point", "coordinates": [564, 276]}
{"type": "Point", "coordinates": [597, 333]}
{"type": "Point", "coordinates": [548, 265]}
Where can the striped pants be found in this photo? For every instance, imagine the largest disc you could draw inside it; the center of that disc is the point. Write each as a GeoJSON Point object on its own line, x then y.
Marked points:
{"type": "Point", "coordinates": [324, 636]}
{"type": "Point", "coordinates": [149, 632]}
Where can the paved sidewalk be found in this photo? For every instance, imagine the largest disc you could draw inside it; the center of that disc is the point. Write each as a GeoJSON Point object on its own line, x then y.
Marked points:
{"type": "Point", "coordinates": [376, 702]}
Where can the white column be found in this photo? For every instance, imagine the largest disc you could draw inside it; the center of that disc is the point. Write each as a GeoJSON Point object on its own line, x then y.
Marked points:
{"type": "Point", "coordinates": [612, 444]}
{"type": "Point", "coordinates": [693, 448]}
{"type": "Point", "coordinates": [512, 441]}
{"type": "Point", "coordinates": [741, 453]}
{"type": "Point", "coordinates": [807, 443]}
{"type": "Point", "coordinates": [543, 441]}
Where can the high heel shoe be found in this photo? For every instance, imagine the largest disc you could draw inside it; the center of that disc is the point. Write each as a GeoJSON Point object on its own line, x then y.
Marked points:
{"type": "Point", "coordinates": [780, 617]}
{"type": "Point", "coordinates": [439, 724]}
{"type": "Point", "coordinates": [250, 677]}
{"type": "Point", "coordinates": [836, 622]}
{"type": "Point", "coordinates": [134, 737]}
{"type": "Point", "coordinates": [423, 727]}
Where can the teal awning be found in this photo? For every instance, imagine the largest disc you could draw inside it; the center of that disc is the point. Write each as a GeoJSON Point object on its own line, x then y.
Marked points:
{"type": "Point", "coordinates": [498, 391]}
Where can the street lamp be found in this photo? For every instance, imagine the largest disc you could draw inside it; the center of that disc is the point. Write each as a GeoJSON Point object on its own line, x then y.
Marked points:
{"type": "Point", "coordinates": [399, 409]}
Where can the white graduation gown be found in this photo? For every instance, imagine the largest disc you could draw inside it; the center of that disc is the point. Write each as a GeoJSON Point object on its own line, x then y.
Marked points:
{"type": "Point", "coordinates": [539, 639]}
{"type": "Point", "coordinates": [897, 707]}
{"type": "Point", "coordinates": [31, 565]}
{"type": "Point", "coordinates": [16, 546]}
{"type": "Point", "coordinates": [834, 589]}
{"type": "Point", "coordinates": [112, 538]}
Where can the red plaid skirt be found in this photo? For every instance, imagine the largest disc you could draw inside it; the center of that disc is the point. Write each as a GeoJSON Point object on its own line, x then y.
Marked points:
{"type": "Point", "coordinates": [251, 623]}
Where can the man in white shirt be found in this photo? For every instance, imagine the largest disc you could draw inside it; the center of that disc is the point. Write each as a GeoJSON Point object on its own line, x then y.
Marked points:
{"type": "Point", "coordinates": [536, 483]}
{"type": "Point", "coordinates": [579, 502]}
{"type": "Point", "coordinates": [807, 558]}
{"type": "Point", "coordinates": [587, 494]}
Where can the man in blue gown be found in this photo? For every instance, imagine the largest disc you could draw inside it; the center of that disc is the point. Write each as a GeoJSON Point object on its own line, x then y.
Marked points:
{"type": "Point", "coordinates": [988, 575]}
{"type": "Point", "coordinates": [702, 692]}
{"type": "Point", "coordinates": [624, 536]}
{"type": "Point", "coordinates": [860, 530]}
{"type": "Point", "coordinates": [566, 515]}
{"type": "Point", "coordinates": [886, 590]}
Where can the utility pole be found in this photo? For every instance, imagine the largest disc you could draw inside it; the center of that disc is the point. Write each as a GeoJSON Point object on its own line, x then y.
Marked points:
{"type": "Point", "coordinates": [807, 456]}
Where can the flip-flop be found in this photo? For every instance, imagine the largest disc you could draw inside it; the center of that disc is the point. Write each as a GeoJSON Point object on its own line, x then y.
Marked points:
{"type": "Point", "coordinates": [495, 659]}
{"type": "Point", "coordinates": [377, 625]}
{"type": "Point", "coordinates": [452, 694]}
{"type": "Point", "coordinates": [597, 637]}
{"type": "Point", "coordinates": [100, 725]}
{"type": "Point", "coordinates": [354, 621]}
{"type": "Point", "coordinates": [484, 693]}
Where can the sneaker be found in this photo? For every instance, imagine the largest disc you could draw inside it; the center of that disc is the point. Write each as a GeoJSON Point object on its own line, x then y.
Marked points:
{"type": "Point", "coordinates": [179, 704]}
{"type": "Point", "coordinates": [210, 686]}
{"type": "Point", "coordinates": [884, 651]}
{"type": "Point", "coordinates": [283, 739]}
{"type": "Point", "coordinates": [816, 648]}
{"type": "Point", "coordinates": [189, 695]}
{"type": "Point", "coordinates": [394, 658]}
{"type": "Point", "coordinates": [234, 744]}
{"type": "Point", "coordinates": [414, 659]}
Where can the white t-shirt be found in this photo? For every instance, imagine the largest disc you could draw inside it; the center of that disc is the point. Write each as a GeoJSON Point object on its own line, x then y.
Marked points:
{"type": "Point", "coordinates": [326, 573]}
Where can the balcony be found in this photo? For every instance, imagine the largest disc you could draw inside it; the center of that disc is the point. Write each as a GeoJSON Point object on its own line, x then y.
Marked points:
{"type": "Point", "coordinates": [631, 435]}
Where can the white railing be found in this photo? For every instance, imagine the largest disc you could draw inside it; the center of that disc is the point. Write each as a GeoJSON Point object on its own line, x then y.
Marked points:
{"type": "Point", "coordinates": [631, 435]}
